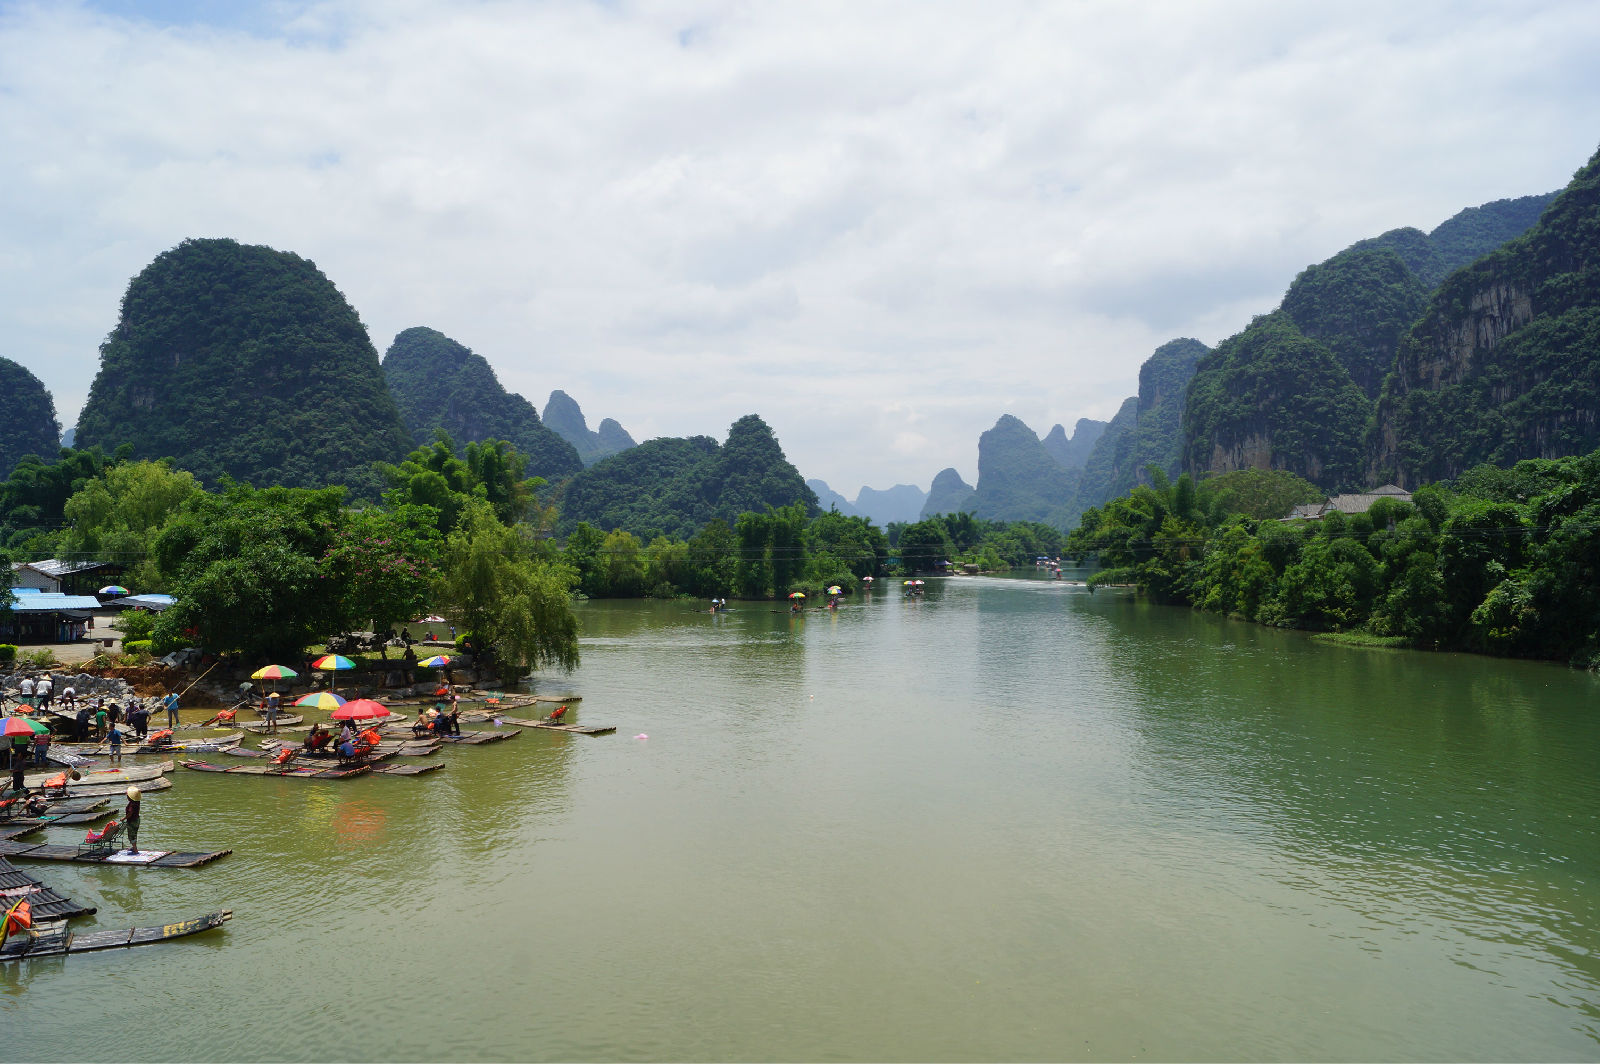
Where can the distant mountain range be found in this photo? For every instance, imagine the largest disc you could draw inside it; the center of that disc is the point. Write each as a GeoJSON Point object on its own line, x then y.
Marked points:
{"type": "Point", "coordinates": [901, 503]}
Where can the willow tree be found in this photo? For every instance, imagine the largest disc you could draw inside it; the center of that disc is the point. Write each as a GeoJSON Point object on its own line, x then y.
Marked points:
{"type": "Point", "coordinates": [509, 595]}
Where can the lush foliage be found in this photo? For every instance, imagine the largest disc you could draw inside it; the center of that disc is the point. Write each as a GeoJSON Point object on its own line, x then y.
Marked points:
{"type": "Point", "coordinates": [443, 387]}
{"type": "Point", "coordinates": [30, 425]}
{"type": "Point", "coordinates": [675, 486]}
{"type": "Point", "coordinates": [1272, 397]}
{"type": "Point", "coordinates": [1505, 561]}
{"type": "Point", "coordinates": [1502, 364]}
{"type": "Point", "coordinates": [245, 362]}
{"type": "Point", "coordinates": [1358, 304]}
{"type": "Point", "coordinates": [490, 470]}
{"type": "Point", "coordinates": [509, 590]}
{"type": "Point", "coordinates": [33, 499]}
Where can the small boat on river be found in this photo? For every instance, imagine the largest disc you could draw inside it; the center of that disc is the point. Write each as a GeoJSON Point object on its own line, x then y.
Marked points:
{"type": "Point", "coordinates": [54, 940]}
{"type": "Point", "coordinates": [93, 776]}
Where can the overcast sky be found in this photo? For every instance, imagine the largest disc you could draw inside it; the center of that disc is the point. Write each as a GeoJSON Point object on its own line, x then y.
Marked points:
{"type": "Point", "coordinates": [879, 226]}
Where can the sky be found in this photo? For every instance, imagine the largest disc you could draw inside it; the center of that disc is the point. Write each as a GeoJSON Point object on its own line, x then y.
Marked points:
{"type": "Point", "coordinates": [880, 226]}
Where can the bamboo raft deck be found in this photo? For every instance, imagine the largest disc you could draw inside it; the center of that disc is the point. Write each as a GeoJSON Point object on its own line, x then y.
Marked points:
{"type": "Point", "coordinates": [57, 940]}
{"type": "Point", "coordinates": [282, 771]}
{"type": "Point", "coordinates": [575, 729]}
{"type": "Point", "coordinates": [32, 851]}
{"type": "Point", "coordinates": [15, 884]}
{"type": "Point", "coordinates": [108, 774]}
{"type": "Point", "coordinates": [112, 790]}
{"type": "Point", "coordinates": [285, 720]}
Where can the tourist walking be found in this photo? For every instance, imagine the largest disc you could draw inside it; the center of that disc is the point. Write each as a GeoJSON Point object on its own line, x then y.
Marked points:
{"type": "Point", "coordinates": [100, 719]}
{"type": "Point", "coordinates": [27, 691]}
{"type": "Point", "coordinates": [41, 748]}
{"type": "Point", "coordinates": [116, 744]}
{"type": "Point", "coordinates": [171, 702]}
{"type": "Point", "coordinates": [42, 689]}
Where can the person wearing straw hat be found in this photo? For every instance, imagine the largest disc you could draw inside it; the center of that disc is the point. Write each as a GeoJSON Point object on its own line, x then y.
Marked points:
{"type": "Point", "coordinates": [130, 819]}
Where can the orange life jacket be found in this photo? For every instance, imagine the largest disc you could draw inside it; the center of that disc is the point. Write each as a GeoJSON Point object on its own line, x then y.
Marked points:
{"type": "Point", "coordinates": [18, 918]}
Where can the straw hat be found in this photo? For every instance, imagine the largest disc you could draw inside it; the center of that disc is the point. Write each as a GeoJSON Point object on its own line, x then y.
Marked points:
{"type": "Point", "coordinates": [133, 793]}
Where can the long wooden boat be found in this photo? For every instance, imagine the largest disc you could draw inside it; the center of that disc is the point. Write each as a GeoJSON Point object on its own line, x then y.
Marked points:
{"type": "Point", "coordinates": [57, 940]}
{"type": "Point", "coordinates": [15, 884]}
{"type": "Point", "coordinates": [110, 774]}
{"type": "Point", "coordinates": [290, 771]}
{"type": "Point", "coordinates": [65, 806]}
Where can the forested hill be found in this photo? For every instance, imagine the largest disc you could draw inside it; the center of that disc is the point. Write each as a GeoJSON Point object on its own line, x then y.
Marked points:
{"type": "Point", "coordinates": [442, 385]}
{"type": "Point", "coordinates": [1074, 451]}
{"type": "Point", "coordinates": [1145, 431]}
{"type": "Point", "coordinates": [563, 416]}
{"type": "Point", "coordinates": [1505, 361]}
{"type": "Point", "coordinates": [30, 425]}
{"type": "Point", "coordinates": [674, 486]}
{"type": "Point", "coordinates": [1296, 389]}
{"type": "Point", "coordinates": [246, 361]}
{"type": "Point", "coordinates": [948, 495]}
{"type": "Point", "coordinates": [1018, 480]}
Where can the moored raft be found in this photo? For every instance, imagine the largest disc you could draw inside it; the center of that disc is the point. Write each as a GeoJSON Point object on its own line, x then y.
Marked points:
{"type": "Point", "coordinates": [27, 851]}
{"type": "Point", "coordinates": [576, 729]}
{"type": "Point", "coordinates": [16, 885]}
{"type": "Point", "coordinates": [290, 771]}
{"type": "Point", "coordinates": [105, 774]}
{"type": "Point", "coordinates": [57, 940]}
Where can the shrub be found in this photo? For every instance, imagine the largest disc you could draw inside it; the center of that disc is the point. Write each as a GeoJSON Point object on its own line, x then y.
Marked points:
{"type": "Point", "coordinates": [135, 625]}
{"type": "Point", "coordinates": [38, 659]}
{"type": "Point", "coordinates": [8, 653]}
{"type": "Point", "coordinates": [139, 647]}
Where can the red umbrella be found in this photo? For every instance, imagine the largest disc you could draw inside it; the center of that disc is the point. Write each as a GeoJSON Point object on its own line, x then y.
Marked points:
{"type": "Point", "coordinates": [360, 709]}
{"type": "Point", "coordinates": [23, 726]}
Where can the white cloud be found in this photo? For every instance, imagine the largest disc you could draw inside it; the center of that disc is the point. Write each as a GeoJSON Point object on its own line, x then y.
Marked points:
{"type": "Point", "coordinates": [879, 226]}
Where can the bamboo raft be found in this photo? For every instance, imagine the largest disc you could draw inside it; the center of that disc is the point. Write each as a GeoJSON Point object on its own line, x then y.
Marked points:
{"type": "Point", "coordinates": [30, 851]}
{"type": "Point", "coordinates": [113, 790]}
{"type": "Point", "coordinates": [291, 771]}
{"type": "Point", "coordinates": [111, 774]}
{"type": "Point", "coordinates": [576, 729]}
{"type": "Point", "coordinates": [285, 720]}
{"type": "Point", "coordinates": [15, 884]}
{"type": "Point", "coordinates": [57, 940]}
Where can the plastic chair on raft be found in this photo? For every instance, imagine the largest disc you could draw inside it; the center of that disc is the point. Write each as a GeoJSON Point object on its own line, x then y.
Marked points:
{"type": "Point", "coordinates": [556, 717]}
{"type": "Point", "coordinates": [102, 843]}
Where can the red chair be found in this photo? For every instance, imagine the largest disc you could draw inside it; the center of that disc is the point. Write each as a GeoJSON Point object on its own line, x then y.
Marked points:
{"type": "Point", "coordinates": [101, 843]}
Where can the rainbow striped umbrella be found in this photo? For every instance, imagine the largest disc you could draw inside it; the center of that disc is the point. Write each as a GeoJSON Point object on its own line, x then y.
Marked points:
{"type": "Point", "coordinates": [112, 589]}
{"type": "Point", "coordinates": [320, 700]}
{"type": "Point", "coordinates": [438, 661]}
{"type": "Point", "coordinates": [333, 663]}
{"type": "Point", "coordinates": [274, 672]}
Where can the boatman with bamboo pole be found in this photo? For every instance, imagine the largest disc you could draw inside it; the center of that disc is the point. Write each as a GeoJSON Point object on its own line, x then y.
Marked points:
{"type": "Point", "coordinates": [130, 819]}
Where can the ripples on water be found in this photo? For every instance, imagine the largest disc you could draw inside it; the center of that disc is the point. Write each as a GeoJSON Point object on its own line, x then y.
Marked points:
{"type": "Point", "coordinates": [1011, 821]}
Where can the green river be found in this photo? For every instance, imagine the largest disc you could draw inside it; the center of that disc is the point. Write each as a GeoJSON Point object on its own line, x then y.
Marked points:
{"type": "Point", "coordinates": [1011, 821]}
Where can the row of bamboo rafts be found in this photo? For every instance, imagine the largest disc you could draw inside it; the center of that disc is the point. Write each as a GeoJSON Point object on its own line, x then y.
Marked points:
{"type": "Point", "coordinates": [152, 745]}
{"type": "Point", "coordinates": [546, 723]}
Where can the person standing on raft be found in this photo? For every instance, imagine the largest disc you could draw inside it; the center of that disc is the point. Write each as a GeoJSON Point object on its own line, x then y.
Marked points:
{"type": "Point", "coordinates": [130, 820]}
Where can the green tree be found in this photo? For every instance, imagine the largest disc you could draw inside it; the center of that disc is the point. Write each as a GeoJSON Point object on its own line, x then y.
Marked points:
{"type": "Point", "coordinates": [513, 598]}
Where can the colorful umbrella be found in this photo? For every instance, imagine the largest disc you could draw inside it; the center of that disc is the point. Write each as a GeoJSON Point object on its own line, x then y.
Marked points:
{"type": "Point", "coordinates": [797, 594]}
{"type": "Point", "coordinates": [866, 579]}
{"type": "Point", "coordinates": [908, 583]}
{"type": "Point", "coordinates": [360, 709]}
{"type": "Point", "coordinates": [432, 618]}
{"type": "Point", "coordinates": [23, 726]}
{"type": "Point", "coordinates": [917, 582]}
{"type": "Point", "coordinates": [112, 589]}
{"type": "Point", "coordinates": [835, 590]}
{"type": "Point", "coordinates": [438, 661]}
{"type": "Point", "coordinates": [320, 700]}
{"type": "Point", "coordinates": [274, 672]}
{"type": "Point", "coordinates": [333, 663]}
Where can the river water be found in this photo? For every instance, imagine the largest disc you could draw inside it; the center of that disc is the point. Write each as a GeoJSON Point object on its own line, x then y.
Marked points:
{"type": "Point", "coordinates": [1011, 821]}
